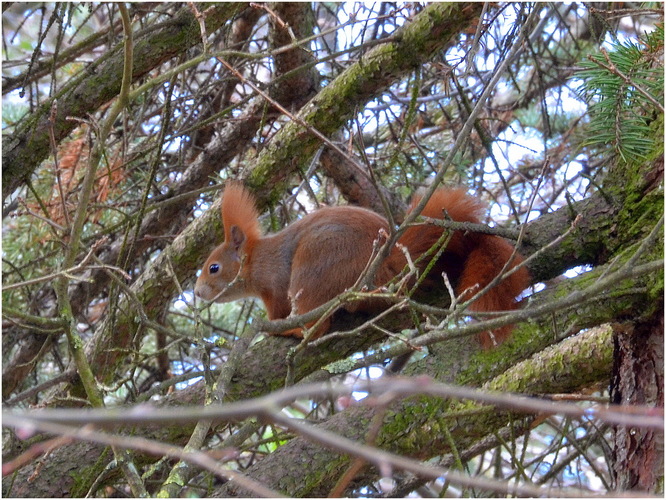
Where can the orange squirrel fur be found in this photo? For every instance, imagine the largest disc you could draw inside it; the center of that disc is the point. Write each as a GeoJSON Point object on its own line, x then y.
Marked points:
{"type": "Point", "coordinates": [323, 254]}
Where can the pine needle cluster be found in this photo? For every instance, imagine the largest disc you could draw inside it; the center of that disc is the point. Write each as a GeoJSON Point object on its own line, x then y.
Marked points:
{"type": "Point", "coordinates": [625, 90]}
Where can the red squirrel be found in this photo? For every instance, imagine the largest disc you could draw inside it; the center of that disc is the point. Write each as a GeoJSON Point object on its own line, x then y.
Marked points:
{"type": "Point", "coordinates": [324, 253]}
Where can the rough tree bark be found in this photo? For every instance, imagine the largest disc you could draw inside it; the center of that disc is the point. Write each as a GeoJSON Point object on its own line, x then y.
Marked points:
{"type": "Point", "coordinates": [638, 379]}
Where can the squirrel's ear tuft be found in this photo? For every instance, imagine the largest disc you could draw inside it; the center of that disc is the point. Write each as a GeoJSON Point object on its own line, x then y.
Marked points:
{"type": "Point", "coordinates": [239, 209]}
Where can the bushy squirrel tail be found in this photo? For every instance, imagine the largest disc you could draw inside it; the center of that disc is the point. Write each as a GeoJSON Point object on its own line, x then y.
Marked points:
{"type": "Point", "coordinates": [484, 264]}
{"type": "Point", "coordinates": [471, 260]}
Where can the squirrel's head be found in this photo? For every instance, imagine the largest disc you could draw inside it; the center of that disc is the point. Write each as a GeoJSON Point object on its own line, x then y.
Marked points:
{"type": "Point", "coordinates": [221, 278]}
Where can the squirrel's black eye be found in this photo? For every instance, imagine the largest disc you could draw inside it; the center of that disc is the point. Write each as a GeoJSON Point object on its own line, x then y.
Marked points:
{"type": "Point", "coordinates": [213, 268]}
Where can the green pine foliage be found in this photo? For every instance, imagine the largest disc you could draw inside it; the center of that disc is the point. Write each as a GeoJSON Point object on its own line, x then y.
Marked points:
{"type": "Point", "coordinates": [625, 89]}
